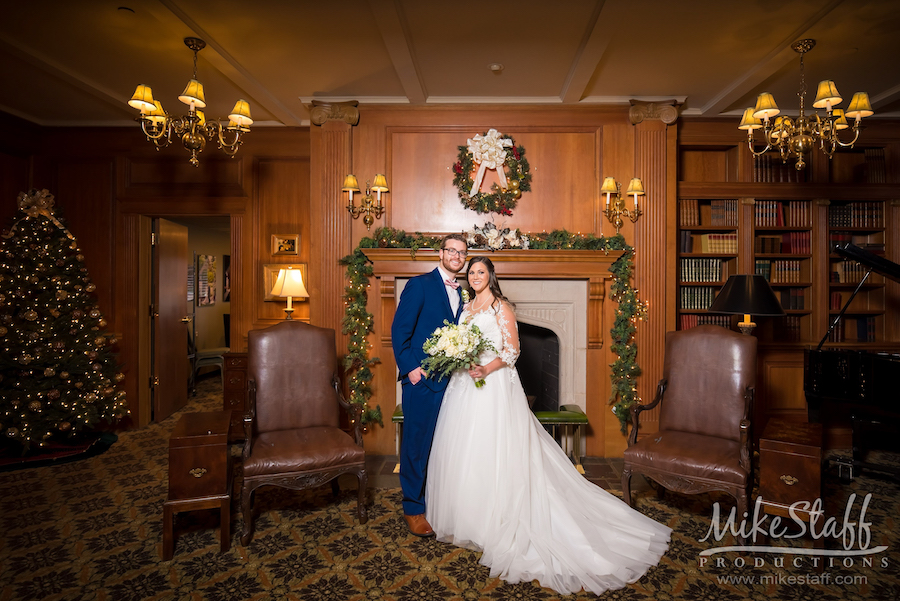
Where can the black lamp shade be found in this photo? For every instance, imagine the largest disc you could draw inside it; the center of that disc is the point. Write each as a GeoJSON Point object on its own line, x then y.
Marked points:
{"type": "Point", "coordinates": [747, 295]}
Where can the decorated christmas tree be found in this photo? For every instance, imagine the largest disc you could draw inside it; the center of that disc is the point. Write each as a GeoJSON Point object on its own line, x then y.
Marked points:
{"type": "Point", "coordinates": [58, 371]}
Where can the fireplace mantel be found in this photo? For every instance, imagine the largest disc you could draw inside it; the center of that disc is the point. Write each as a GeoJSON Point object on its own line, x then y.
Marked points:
{"type": "Point", "coordinates": [590, 265]}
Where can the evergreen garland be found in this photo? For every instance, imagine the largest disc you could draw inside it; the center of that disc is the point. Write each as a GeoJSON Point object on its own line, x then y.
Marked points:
{"type": "Point", "coordinates": [358, 322]}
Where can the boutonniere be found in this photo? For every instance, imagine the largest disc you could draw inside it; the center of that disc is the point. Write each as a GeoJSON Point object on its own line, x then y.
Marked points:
{"type": "Point", "coordinates": [465, 295]}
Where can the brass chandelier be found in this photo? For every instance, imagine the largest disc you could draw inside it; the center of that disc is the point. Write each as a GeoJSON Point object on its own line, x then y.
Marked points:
{"type": "Point", "coordinates": [795, 138]}
{"type": "Point", "coordinates": [193, 128]}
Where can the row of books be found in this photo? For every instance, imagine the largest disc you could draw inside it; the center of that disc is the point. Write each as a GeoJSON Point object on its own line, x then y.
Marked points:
{"type": "Point", "coordinates": [780, 271]}
{"type": "Point", "coordinates": [701, 270]}
{"type": "Point", "coordinates": [775, 213]}
{"type": "Point", "coordinates": [791, 243]}
{"type": "Point", "coordinates": [846, 272]}
{"type": "Point", "coordinates": [793, 299]}
{"type": "Point", "coordinates": [857, 214]}
{"type": "Point", "coordinates": [835, 238]}
{"type": "Point", "coordinates": [697, 297]}
{"type": "Point", "coordinates": [686, 322]}
{"type": "Point", "coordinates": [865, 329]}
{"type": "Point", "coordinates": [789, 329]}
{"type": "Point", "coordinates": [769, 168]}
{"type": "Point", "coordinates": [726, 243]}
{"type": "Point", "coordinates": [876, 172]}
{"type": "Point", "coordinates": [722, 212]}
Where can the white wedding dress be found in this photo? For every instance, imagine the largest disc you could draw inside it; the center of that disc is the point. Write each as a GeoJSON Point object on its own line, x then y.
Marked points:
{"type": "Point", "coordinates": [498, 483]}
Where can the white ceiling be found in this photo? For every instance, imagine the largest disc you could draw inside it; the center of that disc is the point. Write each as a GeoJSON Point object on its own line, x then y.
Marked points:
{"type": "Point", "coordinates": [76, 63]}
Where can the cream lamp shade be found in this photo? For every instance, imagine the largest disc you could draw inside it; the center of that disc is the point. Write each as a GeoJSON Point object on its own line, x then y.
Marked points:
{"type": "Point", "coordinates": [748, 121]}
{"type": "Point", "coordinates": [635, 187]}
{"type": "Point", "coordinates": [609, 186]}
{"type": "Point", "coordinates": [142, 99]}
{"type": "Point", "coordinates": [289, 283]}
{"type": "Point", "coordinates": [380, 184]}
{"type": "Point", "coordinates": [859, 106]}
{"type": "Point", "coordinates": [765, 106]}
{"type": "Point", "coordinates": [240, 114]}
{"type": "Point", "coordinates": [350, 184]}
{"type": "Point", "coordinates": [193, 94]}
{"type": "Point", "coordinates": [827, 95]}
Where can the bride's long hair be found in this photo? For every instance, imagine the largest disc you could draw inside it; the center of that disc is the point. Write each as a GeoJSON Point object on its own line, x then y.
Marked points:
{"type": "Point", "coordinates": [493, 282]}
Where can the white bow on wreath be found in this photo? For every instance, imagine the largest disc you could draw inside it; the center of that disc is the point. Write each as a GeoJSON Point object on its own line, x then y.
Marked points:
{"type": "Point", "coordinates": [488, 151]}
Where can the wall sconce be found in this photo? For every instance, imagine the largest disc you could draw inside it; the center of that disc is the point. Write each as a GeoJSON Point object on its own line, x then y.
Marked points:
{"type": "Point", "coordinates": [290, 284]}
{"type": "Point", "coordinates": [368, 205]}
{"type": "Point", "coordinates": [616, 210]}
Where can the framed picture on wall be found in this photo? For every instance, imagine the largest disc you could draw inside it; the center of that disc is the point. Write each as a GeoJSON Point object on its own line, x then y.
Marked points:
{"type": "Point", "coordinates": [206, 280]}
{"type": "Point", "coordinates": [285, 244]}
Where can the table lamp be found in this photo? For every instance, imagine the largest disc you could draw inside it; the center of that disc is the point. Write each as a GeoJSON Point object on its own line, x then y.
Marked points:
{"type": "Point", "coordinates": [747, 295]}
{"type": "Point", "coordinates": [290, 284]}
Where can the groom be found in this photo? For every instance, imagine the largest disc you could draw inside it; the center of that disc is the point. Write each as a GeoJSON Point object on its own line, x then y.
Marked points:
{"type": "Point", "coordinates": [426, 301]}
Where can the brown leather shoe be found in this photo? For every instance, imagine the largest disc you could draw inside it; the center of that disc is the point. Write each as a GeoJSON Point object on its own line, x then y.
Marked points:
{"type": "Point", "coordinates": [418, 525]}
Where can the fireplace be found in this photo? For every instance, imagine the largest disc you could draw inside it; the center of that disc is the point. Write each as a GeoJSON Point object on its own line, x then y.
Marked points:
{"type": "Point", "coordinates": [538, 366]}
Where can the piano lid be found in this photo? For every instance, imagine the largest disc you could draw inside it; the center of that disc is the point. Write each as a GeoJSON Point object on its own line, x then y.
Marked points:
{"type": "Point", "coordinates": [876, 263]}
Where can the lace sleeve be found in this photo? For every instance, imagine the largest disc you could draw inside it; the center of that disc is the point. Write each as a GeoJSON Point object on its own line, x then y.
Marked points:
{"type": "Point", "coordinates": [506, 319]}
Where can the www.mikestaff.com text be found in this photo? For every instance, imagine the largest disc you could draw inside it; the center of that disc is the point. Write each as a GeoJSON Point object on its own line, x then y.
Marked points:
{"type": "Point", "coordinates": [795, 580]}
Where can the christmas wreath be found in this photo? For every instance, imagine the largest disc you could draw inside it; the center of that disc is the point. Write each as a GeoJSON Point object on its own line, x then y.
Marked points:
{"type": "Point", "coordinates": [489, 151]}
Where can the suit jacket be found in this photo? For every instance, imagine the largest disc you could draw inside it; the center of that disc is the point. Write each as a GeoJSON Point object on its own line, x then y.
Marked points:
{"type": "Point", "coordinates": [423, 308]}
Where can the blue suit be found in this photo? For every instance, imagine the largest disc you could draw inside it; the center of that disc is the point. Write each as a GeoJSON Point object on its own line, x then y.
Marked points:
{"type": "Point", "coordinates": [423, 308]}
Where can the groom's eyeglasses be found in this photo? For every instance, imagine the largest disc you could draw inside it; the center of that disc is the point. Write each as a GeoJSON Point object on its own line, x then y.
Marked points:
{"type": "Point", "coordinates": [453, 252]}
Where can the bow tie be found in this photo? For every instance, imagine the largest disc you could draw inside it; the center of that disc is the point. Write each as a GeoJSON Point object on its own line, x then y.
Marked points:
{"type": "Point", "coordinates": [452, 283]}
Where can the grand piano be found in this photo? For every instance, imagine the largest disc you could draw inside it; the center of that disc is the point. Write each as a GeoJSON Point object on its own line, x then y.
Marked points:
{"type": "Point", "coordinates": [861, 384]}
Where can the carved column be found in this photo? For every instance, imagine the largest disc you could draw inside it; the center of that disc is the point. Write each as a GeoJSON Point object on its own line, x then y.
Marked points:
{"type": "Point", "coordinates": [655, 262]}
{"type": "Point", "coordinates": [330, 161]}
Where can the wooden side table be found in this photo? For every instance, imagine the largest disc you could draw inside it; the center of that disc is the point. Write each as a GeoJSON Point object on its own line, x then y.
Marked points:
{"type": "Point", "coordinates": [199, 472]}
{"type": "Point", "coordinates": [790, 467]}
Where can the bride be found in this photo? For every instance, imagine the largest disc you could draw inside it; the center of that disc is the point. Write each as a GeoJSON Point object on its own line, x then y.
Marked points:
{"type": "Point", "coordinates": [498, 483]}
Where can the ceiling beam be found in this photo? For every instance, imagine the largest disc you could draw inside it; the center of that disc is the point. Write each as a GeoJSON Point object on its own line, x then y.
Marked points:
{"type": "Point", "coordinates": [395, 35]}
{"type": "Point", "coordinates": [779, 56]}
{"type": "Point", "coordinates": [593, 45]}
{"type": "Point", "coordinates": [233, 70]}
{"type": "Point", "coordinates": [46, 64]}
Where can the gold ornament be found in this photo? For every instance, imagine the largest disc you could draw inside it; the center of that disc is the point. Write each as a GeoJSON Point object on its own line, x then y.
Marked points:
{"type": "Point", "coordinates": [12, 432]}
{"type": "Point", "coordinates": [90, 287]}
{"type": "Point", "coordinates": [63, 374]}
{"type": "Point", "coordinates": [26, 359]}
{"type": "Point", "coordinates": [90, 397]}
{"type": "Point", "coordinates": [95, 313]}
{"type": "Point", "coordinates": [61, 295]}
{"type": "Point", "coordinates": [49, 372]}
{"type": "Point", "coordinates": [34, 406]}
{"type": "Point", "coordinates": [99, 341]}
{"type": "Point", "coordinates": [30, 315]}
{"type": "Point", "coordinates": [3, 331]}
{"type": "Point", "coordinates": [65, 427]}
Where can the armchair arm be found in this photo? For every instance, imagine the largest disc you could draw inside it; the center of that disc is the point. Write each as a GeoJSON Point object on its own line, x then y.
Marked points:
{"type": "Point", "coordinates": [749, 393]}
{"type": "Point", "coordinates": [354, 411]}
{"type": "Point", "coordinates": [249, 417]}
{"type": "Point", "coordinates": [637, 408]}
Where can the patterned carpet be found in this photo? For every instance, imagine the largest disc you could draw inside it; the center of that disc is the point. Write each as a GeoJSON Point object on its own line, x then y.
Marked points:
{"type": "Point", "coordinates": [92, 530]}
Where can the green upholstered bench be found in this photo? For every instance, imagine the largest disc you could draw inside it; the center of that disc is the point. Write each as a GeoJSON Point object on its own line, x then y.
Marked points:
{"type": "Point", "coordinates": [568, 416]}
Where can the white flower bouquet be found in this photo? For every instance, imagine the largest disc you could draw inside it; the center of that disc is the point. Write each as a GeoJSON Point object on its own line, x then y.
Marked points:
{"type": "Point", "coordinates": [453, 347]}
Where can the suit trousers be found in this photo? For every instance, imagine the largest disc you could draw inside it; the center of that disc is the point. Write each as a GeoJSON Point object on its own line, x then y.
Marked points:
{"type": "Point", "coordinates": [421, 406]}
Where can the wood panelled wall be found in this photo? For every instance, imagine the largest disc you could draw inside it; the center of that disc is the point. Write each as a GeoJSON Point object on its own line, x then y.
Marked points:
{"type": "Point", "coordinates": [570, 150]}
{"type": "Point", "coordinates": [110, 182]}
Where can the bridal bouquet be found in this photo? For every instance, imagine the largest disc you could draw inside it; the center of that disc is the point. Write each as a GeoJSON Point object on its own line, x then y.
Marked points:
{"type": "Point", "coordinates": [453, 347]}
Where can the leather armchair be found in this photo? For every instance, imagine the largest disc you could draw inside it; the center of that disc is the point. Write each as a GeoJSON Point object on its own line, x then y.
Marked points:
{"type": "Point", "coordinates": [292, 428]}
{"type": "Point", "coordinates": [705, 399]}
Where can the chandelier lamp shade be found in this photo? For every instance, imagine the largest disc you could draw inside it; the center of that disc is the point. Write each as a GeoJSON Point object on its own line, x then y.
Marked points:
{"type": "Point", "coordinates": [796, 137]}
{"type": "Point", "coordinates": [615, 202]}
{"type": "Point", "coordinates": [192, 129]}
{"type": "Point", "coordinates": [372, 207]}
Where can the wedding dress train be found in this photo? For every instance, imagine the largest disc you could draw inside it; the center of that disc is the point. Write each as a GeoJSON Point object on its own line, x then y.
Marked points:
{"type": "Point", "coordinates": [498, 483]}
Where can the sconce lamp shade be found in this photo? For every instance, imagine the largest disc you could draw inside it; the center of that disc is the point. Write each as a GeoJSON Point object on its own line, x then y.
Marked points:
{"type": "Point", "coordinates": [747, 294]}
{"type": "Point", "coordinates": [350, 184]}
{"type": "Point", "coordinates": [142, 99]}
{"type": "Point", "coordinates": [748, 121]}
{"type": "Point", "coordinates": [290, 284]}
{"type": "Point", "coordinates": [635, 187]}
{"type": "Point", "coordinates": [826, 95]}
{"type": "Point", "coordinates": [859, 106]}
{"type": "Point", "coordinates": [240, 114]}
{"type": "Point", "coordinates": [202, 117]}
{"type": "Point", "coordinates": [609, 186]}
{"type": "Point", "coordinates": [193, 93]}
{"type": "Point", "coordinates": [765, 106]}
{"type": "Point", "coordinates": [380, 184]}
